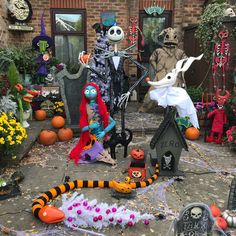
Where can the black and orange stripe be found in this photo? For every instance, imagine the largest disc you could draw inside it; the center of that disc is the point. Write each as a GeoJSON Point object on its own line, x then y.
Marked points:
{"type": "Point", "coordinates": [63, 188]}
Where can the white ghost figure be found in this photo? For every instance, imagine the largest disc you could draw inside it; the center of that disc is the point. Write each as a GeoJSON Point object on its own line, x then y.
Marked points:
{"type": "Point", "coordinates": [166, 95]}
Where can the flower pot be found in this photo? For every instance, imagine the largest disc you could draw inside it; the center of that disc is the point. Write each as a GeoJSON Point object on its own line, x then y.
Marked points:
{"type": "Point", "coordinates": [26, 116]}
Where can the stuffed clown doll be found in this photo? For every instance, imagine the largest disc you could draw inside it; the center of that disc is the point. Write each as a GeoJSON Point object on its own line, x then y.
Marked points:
{"type": "Point", "coordinates": [95, 123]}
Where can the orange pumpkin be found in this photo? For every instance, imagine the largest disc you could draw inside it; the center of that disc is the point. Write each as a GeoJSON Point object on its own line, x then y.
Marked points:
{"type": "Point", "coordinates": [137, 154]}
{"type": "Point", "coordinates": [47, 137]}
{"type": "Point", "coordinates": [65, 134]}
{"type": "Point", "coordinates": [192, 133]}
{"type": "Point", "coordinates": [215, 210]}
{"type": "Point", "coordinates": [58, 122]}
{"type": "Point", "coordinates": [85, 58]}
{"type": "Point", "coordinates": [221, 222]}
{"type": "Point", "coordinates": [40, 115]}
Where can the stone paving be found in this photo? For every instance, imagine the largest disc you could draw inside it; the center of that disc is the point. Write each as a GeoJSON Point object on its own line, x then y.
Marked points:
{"type": "Point", "coordinates": [208, 168]}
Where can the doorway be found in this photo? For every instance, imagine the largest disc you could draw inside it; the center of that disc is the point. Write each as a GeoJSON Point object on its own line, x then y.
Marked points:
{"type": "Point", "coordinates": [151, 27]}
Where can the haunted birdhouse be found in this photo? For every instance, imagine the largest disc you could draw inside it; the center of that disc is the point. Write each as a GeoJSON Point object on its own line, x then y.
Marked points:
{"type": "Point", "coordinates": [167, 144]}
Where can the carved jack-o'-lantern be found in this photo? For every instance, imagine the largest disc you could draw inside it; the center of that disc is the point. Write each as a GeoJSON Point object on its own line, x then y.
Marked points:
{"type": "Point", "coordinates": [137, 154]}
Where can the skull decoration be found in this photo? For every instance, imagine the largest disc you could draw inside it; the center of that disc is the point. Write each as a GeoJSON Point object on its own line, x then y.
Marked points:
{"type": "Point", "coordinates": [221, 99]}
{"type": "Point", "coordinates": [115, 34]}
{"type": "Point", "coordinates": [196, 213]}
{"type": "Point", "coordinates": [136, 174]}
{"type": "Point", "coordinates": [170, 36]}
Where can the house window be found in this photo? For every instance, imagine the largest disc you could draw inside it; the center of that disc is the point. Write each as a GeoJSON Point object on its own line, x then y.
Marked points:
{"type": "Point", "coordinates": [69, 33]}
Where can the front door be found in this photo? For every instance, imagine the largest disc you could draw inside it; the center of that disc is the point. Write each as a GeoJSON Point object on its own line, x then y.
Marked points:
{"type": "Point", "coordinates": [151, 27]}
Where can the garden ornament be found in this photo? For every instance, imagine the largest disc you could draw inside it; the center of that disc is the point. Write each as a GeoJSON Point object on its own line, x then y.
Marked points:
{"type": "Point", "coordinates": [219, 118]}
{"type": "Point", "coordinates": [118, 97]}
{"type": "Point", "coordinates": [134, 30]}
{"type": "Point", "coordinates": [43, 212]}
{"type": "Point", "coordinates": [229, 12]}
{"type": "Point", "coordinates": [163, 61]}
{"type": "Point", "coordinates": [166, 95]}
{"type": "Point", "coordinates": [194, 219]}
{"type": "Point", "coordinates": [95, 123]}
{"type": "Point", "coordinates": [42, 42]}
{"type": "Point", "coordinates": [221, 57]}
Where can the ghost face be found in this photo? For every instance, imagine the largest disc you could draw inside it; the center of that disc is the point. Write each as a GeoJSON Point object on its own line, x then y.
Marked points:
{"type": "Point", "coordinates": [90, 92]}
{"type": "Point", "coordinates": [115, 34]}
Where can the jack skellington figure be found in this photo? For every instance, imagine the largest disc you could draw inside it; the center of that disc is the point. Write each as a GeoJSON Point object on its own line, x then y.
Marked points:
{"type": "Point", "coordinates": [119, 99]}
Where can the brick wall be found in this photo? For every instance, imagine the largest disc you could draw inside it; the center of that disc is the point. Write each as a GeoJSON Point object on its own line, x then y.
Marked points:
{"type": "Point", "coordinates": [186, 12]}
{"type": "Point", "coordinates": [94, 8]}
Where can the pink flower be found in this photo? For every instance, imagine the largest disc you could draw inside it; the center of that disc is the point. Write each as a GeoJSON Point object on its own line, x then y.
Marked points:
{"type": "Point", "coordinates": [230, 138]}
{"type": "Point", "coordinates": [228, 132]}
{"type": "Point", "coordinates": [235, 140]}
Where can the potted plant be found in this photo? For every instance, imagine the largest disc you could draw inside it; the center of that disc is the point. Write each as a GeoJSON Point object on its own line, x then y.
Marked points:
{"type": "Point", "coordinates": [12, 134]}
{"type": "Point", "coordinates": [210, 23]}
{"type": "Point", "coordinates": [231, 138]}
{"type": "Point", "coordinates": [24, 59]}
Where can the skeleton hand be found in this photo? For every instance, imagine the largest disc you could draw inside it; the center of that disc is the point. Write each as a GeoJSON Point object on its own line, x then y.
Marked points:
{"type": "Point", "coordinates": [81, 60]}
{"type": "Point", "coordinates": [124, 99]}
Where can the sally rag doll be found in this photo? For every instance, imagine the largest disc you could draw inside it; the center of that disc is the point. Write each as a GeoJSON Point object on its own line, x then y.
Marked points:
{"type": "Point", "coordinates": [95, 123]}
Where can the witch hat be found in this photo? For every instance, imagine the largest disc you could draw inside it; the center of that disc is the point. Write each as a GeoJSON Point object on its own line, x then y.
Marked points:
{"type": "Point", "coordinates": [42, 36]}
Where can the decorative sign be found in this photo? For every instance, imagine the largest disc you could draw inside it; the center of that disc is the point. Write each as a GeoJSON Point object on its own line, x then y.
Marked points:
{"type": "Point", "coordinates": [19, 12]}
{"type": "Point", "coordinates": [154, 10]}
{"type": "Point", "coordinates": [108, 18]}
{"type": "Point", "coordinates": [20, 27]}
{"type": "Point", "coordinates": [195, 219]}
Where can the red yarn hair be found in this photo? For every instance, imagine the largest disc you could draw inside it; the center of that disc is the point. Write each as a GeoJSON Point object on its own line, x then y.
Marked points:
{"type": "Point", "coordinates": [84, 137]}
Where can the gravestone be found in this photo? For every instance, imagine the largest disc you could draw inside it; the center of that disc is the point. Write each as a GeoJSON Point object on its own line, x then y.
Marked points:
{"type": "Point", "coordinates": [71, 92]}
{"type": "Point", "coordinates": [232, 195]}
{"type": "Point", "coordinates": [194, 220]}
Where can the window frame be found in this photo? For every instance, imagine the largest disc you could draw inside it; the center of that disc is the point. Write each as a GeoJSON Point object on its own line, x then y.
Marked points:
{"type": "Point", "coordinates": [83, 32]}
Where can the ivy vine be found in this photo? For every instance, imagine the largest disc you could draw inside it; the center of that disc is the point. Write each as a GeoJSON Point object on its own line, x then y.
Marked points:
{"type": "Point", "coordinates": [210, 23]}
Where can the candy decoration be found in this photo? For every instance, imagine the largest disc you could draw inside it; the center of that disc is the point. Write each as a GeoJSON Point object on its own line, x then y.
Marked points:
{"type": "Point", "coordinates": [108, 214]}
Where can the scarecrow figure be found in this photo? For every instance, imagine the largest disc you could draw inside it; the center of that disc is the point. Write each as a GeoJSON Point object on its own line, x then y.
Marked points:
{"type": "Point", "coordinates": [163, 60]}
{"type": "Point", "coordinates": [95, 123]}
{"type": "Point", "coordinates": [42, 43]}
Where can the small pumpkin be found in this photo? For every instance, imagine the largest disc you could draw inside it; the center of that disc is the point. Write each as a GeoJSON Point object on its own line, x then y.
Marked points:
{"type": "Point", "coordinates": [65, 134]}
{"type": "Point", "coordinates": [40, 115]}
{"type": "Point", "coordinates": [215, 210]}
{"type": "Point", "coordinates": [192, 133]}
{"type": "Point", "coordinates": [221, 222]}
{"type": "Point", "coordinates": [47, 137]}
{"type": "Point", "coordinates": [58, 122]}
{"type": "Point", "coordinates": [137, 154]}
